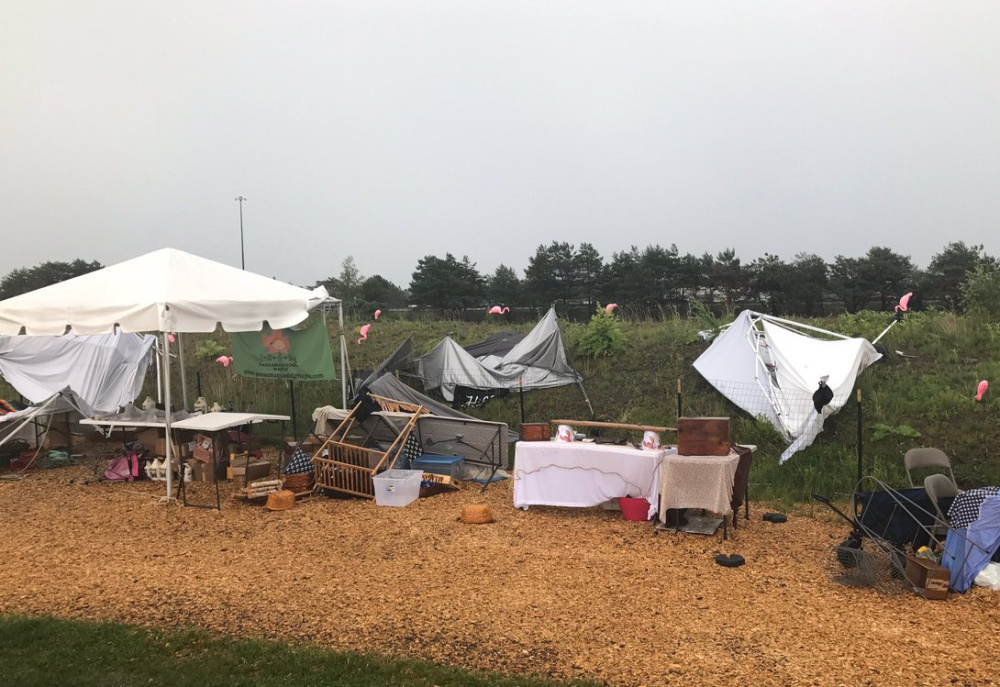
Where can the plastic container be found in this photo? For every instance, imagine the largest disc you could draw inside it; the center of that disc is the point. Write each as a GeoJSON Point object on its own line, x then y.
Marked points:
{"type": "Point", "coordinates": [635, 509]}
{"type": "Point", "coordinates": [438, 464]}
{"type": "Point", "coordinates": [397, 487]}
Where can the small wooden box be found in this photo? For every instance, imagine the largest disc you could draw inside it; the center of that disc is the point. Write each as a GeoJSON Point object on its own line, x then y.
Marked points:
{"type": "Point", "coordinates": [536, 431]}
{"type": "Point", "coordinates": [703, 436]}
{"type": "Point", "coordinates": [929, 579]}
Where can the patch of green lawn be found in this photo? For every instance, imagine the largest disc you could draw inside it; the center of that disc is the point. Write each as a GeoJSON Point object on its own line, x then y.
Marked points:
{"type": "Point", "coordinates": [46, 651]}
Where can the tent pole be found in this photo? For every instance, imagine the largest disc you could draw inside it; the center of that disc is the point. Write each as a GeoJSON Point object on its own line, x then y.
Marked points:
{"type": "Point", "coordinates": [587, 399]}
{"type": "Point", "coordinates": [520, 384]}
{"type": "Point", "coordinates": [680, 400]}
{"type": "Point", "coordinates": [159, 372]}
{"type": "Point", "coordinates": [166, 405]}
{"type": "Point", "coordinates": [291, 394]}
{"type": "Point", "coordinates": [343, 357]}
{"type": "Point", "coordinates": [884, 331]}
{"type": "Point", "coordinates": [184, 381]}
{"type": "Point", "coordinates": [861, 447]}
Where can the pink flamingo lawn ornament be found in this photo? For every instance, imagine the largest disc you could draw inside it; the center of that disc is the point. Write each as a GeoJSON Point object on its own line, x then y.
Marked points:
{"type": "Point", "coordinates": [904, 302]}
{"type": "Point", "coordinates": [364, 332]}
{"type": "Point", "coordinates": [981, 389]}
{"type": "Point", "coordinates": [497, 310]}
{"type": "Point", "coordinates": [609, 307]}
{"type": "Point", "coordinates": [377, 314]}
{"type": "Point", "coordinates": [225, 360]}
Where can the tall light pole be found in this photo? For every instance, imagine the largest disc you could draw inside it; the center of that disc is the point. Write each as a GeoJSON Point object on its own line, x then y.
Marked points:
{"type": "Point", "coordinates": [243, 262]}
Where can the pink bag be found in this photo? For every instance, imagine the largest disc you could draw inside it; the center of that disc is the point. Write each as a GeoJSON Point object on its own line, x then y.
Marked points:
{"type": "Point", "coordinates": [123, 468]}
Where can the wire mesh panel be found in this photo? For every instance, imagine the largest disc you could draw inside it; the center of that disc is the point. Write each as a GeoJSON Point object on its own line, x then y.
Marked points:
{"type": "Point", "coordinates": [478, 442]}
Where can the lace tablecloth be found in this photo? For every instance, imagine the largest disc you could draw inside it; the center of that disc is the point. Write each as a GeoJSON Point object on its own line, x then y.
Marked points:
{"type": "Point", "coordinates": [698, 482]}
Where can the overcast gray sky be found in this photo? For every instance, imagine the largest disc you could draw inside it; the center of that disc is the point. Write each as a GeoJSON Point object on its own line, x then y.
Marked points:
{"type": "Point", "coordinates": [394, 130]}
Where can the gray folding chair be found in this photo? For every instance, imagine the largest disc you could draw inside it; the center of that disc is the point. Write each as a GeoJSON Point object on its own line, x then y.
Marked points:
{"type": "Point", "coordinates": [939, 487]}
{"type": "Point", "coordinates": [919, 458]}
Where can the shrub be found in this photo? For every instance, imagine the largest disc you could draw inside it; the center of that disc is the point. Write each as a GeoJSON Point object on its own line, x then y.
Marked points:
{"type": "Point", "coordinates": [603, 336]}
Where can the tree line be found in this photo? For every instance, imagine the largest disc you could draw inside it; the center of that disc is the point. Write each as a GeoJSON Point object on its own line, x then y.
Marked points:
{"type": "Point", "coordinates": [958, 278]}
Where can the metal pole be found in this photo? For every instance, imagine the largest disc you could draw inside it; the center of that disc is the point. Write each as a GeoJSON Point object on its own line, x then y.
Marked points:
{"type": "Point", "coordinates": [184, 381]}
{"type": "Point", "coordinates": [291, 394]}
{"type": "Point", "coordinates": [680, 400]}
{"type": "Point", "coordinates": [343, 356]}
{"type": "Point", "coordinates": [243, 262]}
{"type": "Point", "coordinates": [861, 446]}
{"type": "Point", "coordinates": [166, 401]}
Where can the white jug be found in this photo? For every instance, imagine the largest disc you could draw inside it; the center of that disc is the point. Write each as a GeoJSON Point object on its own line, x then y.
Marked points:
{"type": "Point", "coordinates": [149, 403]}
{"type": "Point", "coordinates": [201, 405]}
{"type": "Point", "coordinates": [216, 408]}
{"type": "Point", "coordinates": [155, 469]}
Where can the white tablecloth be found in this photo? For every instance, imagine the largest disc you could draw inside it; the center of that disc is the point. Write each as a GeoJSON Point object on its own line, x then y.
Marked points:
{"type": "Point", "coordinates": [698, 482]}
{"type": "Point", "coordinates": [578, 474]}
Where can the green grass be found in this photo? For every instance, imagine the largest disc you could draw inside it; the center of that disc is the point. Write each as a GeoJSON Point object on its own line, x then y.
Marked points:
{"type": "Point", "coordinates": [49, 651]}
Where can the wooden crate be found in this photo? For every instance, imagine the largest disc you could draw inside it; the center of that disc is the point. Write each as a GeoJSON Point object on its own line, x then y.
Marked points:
{"type": "Point", "coordinates": [535, 431]}
{"type": "Point", "coordinates": [703, 436]}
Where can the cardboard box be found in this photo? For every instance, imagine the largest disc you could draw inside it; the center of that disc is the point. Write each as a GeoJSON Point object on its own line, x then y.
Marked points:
{"type": "Point", "coordinates": [160, 448]}
{"type": "Point", "coordinates": [202, 472]}
{"type": "Point", "coordinates": [250, 473]}
{"type": "Point", "coordinates": [929, 579]}
{"type": "Point", "coordinates": [148, 437]}
{"type": "Point", "coordinates": [703, 436]}
{"type": "Point", "coordinates": [535, 431]}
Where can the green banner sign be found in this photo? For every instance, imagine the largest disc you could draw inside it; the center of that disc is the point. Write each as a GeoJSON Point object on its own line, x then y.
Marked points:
{"type": "Point", "coordinates": [299, 355]}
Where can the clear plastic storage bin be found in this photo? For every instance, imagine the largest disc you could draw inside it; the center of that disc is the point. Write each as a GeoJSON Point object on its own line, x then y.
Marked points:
{"type": "Point", "coordinates": [397, 487]}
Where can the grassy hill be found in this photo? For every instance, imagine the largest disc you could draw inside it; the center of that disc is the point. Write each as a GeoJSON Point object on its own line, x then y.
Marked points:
{"type": "Point", "coordinates": [922, 398]}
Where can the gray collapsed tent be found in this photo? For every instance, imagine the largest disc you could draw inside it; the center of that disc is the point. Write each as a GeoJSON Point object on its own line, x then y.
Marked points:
{"type": "Point", "coordinates": [536, 361]}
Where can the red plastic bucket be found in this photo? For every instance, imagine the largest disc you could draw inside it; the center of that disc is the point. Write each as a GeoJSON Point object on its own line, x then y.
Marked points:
{"type": "Point", "coordinates": [636, 509]}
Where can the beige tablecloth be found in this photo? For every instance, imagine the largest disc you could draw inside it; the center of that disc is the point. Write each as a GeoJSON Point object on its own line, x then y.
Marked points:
{"type": "Point", "coordinates": [698, 482]}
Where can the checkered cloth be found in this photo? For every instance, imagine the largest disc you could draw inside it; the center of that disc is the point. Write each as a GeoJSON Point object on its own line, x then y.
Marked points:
{"type": "Point", "coordinates": [965, 508]}
{"type": "Point", "coordinates": [300, 462]}
{"type": "Point", "coordinates": [412, 448]}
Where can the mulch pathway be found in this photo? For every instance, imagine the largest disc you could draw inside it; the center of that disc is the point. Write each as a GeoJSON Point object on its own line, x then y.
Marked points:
{"type": "Point", "coordinates": [565, 593]}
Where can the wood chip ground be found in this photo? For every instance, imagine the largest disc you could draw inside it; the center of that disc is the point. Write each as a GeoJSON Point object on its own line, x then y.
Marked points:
{"type": "Point", "coordinates": [558, 592]}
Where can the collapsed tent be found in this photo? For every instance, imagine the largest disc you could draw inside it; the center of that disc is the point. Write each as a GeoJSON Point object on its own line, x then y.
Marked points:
{"type": "Point", "coordinates": [536, 361]}
{"type": "Point", "coordinates": [106, 371]}
{"type": "Point", "coordinates": [772, 368]}
{"type": "Point", "coordinates": [30, 423]}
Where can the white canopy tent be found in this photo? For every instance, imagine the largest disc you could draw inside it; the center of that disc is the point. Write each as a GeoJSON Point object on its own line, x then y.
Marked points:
{"type": "Point", "coordinates": [164, 291]}
{"type": "Point", "coordinates": [771, 367]}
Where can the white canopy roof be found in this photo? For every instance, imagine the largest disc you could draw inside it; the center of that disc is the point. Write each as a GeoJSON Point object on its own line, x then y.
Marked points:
{"type": "Point", "coordinates": [771, 370]}
{"type": "Point", "coordinates": [166, 291]}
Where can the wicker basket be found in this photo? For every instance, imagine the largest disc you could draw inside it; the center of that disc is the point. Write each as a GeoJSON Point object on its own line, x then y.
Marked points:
{"type": "Point", "coordinates": [281, 500]}
{"type": "Point", "coordinates": [476, 514]}
{"type": "Point", "coordinates": [299, 482]}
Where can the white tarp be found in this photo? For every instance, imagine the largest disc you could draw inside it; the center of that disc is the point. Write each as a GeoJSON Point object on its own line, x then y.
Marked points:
{"type": "Point", "coordinates": [106, 371]}
{"type": "Point", "coordinates": [538, 361]}
{"type": "Point", "coordinates": [771, 370]}
{"type": "Point", "coordinates": [164, 291]}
